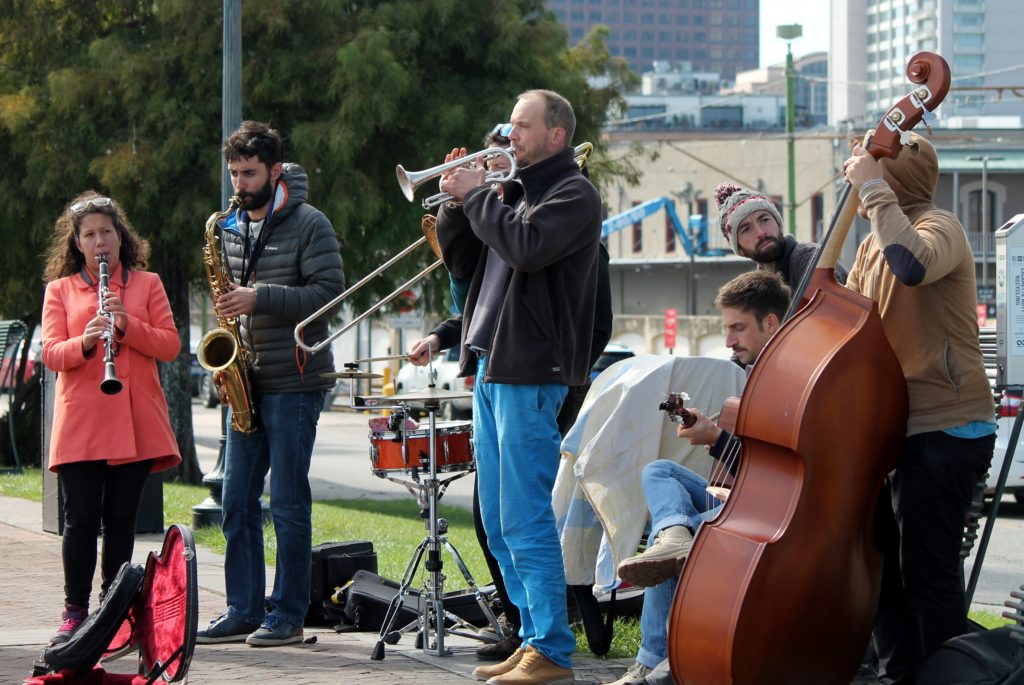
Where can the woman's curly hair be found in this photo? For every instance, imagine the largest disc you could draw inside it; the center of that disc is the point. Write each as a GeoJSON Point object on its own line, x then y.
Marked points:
{"type": "Point", "coordinates": [63, 258]}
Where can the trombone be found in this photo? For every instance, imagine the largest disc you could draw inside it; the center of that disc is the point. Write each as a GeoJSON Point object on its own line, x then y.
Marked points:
{"type": "Point", "coordinates": [429, 227]}
{"type": "Point", "coordinates": [410, 181]}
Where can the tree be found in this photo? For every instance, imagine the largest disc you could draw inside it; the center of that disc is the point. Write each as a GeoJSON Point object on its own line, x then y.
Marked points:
{"type": "Point", "coordinates": [124, 96]}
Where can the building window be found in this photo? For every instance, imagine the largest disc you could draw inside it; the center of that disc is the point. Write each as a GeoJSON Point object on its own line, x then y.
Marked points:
{"type": "Point", "coordinates": [670, 235]}
{"type": "Point", "coordinates": [962, 20]}
{"type": "Point", "coordinates": [702, 207]}
{"type": "Point", "coordinates": [817, 217]}
{"type": "Point", "coordinates": [638, 234]}
{"type": "Point", "coordinates": [974, 211]}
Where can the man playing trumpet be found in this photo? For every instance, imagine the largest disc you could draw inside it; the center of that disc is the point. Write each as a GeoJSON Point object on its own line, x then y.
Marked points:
{"type": "Point", "coordinates": [531, 255]}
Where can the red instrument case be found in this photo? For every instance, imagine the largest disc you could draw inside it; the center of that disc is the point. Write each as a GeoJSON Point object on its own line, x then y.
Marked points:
{"type": "Point", "coordinates": [160, 623]}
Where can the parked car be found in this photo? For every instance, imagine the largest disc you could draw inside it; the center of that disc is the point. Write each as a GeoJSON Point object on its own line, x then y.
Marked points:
{"type": "Point", "coordinates": [201, 383]}
{"type": "Point", "coordinates": [613, 352]}
{"type": "Point", "coordinates": [1006, 414]}
{"type": "Point", "coordinates": [411, 377]}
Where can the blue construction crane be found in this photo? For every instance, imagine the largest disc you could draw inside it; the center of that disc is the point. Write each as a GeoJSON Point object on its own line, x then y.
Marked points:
{"type": "Point", "coordinates": [698, 226]}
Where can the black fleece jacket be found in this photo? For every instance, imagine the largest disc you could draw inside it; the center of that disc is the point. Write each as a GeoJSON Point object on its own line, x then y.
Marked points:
{"type": "Point", "coordinates": [546, 317]}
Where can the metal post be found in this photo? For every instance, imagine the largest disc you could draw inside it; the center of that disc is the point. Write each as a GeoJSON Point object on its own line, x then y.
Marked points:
{"type": "Point", "coordinates": [984, 231]}
{"type": "Point", "coordinates": [788, 32]}
{"type": "Point", "coordinates": [790, 143]}
{"type": "Point", "coordinates": [208, 512]}
{"type": "Point", "coordinates": [984, 220]}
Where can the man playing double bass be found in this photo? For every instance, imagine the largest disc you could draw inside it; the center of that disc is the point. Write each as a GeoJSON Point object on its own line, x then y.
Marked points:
{"type": "Point", "coordinates": [753, 306]}
{"type": "Point", "coordinates": [918, 266]}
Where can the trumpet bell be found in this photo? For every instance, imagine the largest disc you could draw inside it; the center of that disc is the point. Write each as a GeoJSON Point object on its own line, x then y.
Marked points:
{"type": "Point", "coordinates": [406, 183]}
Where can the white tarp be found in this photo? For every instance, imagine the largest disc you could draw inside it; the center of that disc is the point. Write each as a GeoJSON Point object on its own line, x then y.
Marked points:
{"type": "Point", "coordinates": [598, 501]}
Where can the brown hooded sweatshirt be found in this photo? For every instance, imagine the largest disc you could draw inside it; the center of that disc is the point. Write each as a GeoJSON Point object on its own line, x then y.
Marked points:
{"type": "Point", "coordinates": [918, 266]}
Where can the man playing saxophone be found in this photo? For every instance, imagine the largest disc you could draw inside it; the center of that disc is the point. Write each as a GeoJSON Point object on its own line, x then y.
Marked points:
{"type": "Point", "coordinates": [284, 261]}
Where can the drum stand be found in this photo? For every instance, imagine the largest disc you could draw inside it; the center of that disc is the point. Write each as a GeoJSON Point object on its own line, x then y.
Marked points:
{"type": "Point", "coordinates": [433, 621]}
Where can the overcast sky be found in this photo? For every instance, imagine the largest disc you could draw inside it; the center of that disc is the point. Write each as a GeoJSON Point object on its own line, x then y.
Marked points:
{"type": "Point", "coordinates": [811, 14]}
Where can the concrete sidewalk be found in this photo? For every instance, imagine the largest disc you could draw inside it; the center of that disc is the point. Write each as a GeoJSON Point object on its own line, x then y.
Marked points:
{"type": "Point", "coordinates": [31, 593]}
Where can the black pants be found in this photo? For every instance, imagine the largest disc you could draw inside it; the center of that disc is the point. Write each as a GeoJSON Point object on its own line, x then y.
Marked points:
{"type": "Point", "coordinates": [95, 494]}
{"type": "Point", "coordinates": [919, 531]}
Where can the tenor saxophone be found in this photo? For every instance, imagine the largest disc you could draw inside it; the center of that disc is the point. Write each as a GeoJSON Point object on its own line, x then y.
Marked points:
{"type": "Point", "coordinates": [221, 351]}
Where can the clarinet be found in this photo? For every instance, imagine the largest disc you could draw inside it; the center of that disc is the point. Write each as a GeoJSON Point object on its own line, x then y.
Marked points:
{"type": "Point", "coordinates": [110, 385]}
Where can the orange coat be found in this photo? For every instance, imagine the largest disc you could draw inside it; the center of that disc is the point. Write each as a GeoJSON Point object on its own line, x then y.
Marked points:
{"type": "Point", "coordinates": [132, 425]}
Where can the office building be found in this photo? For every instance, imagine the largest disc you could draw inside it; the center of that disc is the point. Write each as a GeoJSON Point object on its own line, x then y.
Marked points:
{"type": "Point", "coordinates": [872, 41]}
{"type": "Point", "coordinates": [711, 35]}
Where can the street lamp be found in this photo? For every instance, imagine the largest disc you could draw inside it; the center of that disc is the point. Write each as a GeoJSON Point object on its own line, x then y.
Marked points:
{"type": "Point", "coordinates": [984, 159]}
{"type": "Point", "coordinates": [789, 32]}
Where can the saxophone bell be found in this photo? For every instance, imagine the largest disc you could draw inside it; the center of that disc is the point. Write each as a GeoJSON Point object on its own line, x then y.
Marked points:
{"type": "Point", "coordinates": [221, 351]}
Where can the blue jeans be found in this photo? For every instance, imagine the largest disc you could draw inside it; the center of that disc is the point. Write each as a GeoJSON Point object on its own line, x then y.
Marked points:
{"type": "Point", "coordinates": [282, 444]}
{"type": "Point", "coordinates": [516, 442]}
{"type": "Point", "coordinates": [676, 496]}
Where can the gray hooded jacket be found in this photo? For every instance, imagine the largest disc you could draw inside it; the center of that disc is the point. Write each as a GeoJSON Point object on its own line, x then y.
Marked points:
{"type": "Point", "coordinates": [298, 272]}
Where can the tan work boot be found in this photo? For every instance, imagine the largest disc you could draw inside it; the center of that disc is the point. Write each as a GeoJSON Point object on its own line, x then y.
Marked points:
{"type": "Point", "coordinates": [535, 669]}
{"type": "Point", "coordinates": [661, 560]}
{"type": "Point", "coordinates": [488, 672]}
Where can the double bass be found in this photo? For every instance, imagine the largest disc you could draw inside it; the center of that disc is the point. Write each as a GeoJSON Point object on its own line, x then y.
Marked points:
{"type": "Point", "coordinates": [782, 587]}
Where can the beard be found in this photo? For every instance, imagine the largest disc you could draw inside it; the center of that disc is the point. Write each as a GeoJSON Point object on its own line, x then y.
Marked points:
{"type": "Point", "coordinates": [768, 251]}
{"type": "Point", "coordinates": [251, 201]}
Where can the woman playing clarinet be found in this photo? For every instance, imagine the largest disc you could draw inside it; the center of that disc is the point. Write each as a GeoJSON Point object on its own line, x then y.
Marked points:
{"type": "Point", "coordinates": [110, 423]}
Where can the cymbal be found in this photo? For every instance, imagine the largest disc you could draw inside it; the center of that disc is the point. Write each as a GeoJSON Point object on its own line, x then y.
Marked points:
{"type": "Point", "coordinates": [427, 394]}
{"type": "Point", "coordinates": [351, 375]}
{"type": "Point", "coordinates": [388, 358]}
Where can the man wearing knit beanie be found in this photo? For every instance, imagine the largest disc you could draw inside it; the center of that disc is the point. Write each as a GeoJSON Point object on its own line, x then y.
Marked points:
{"type": "Point", "coordinates": [918, 266]}
{"type": "Point", "coordinates": [751, 223]}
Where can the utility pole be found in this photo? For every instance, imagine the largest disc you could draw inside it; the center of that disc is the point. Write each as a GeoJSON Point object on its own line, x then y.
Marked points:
{"type": "Point", "coordinates": [789, 32]}
{"type": "Point", "coordinates": [208, 512]}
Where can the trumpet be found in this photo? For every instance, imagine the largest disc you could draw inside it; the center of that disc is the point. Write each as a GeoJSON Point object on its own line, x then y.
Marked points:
{"type": "Point", "coordinates": [409, 181]}
{"type": "Point", "coordinates": [110, 385]}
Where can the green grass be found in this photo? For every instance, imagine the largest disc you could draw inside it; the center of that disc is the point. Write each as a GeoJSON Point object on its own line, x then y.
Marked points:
{"type": "Point", "coordinates": [27, 485]}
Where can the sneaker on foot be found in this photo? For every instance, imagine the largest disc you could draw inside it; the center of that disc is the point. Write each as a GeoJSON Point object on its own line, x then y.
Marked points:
{"type": "Point", "coordinates": [635, 675]}
{"type": "Point", "coordinates": [273, 633]}
{"type": "Point", "coordinates": [661, 560]}
{"type": "Point", "coordinates": [535, 669]}
{"type": "Point", "coordinates": [500, 650]}
{"type": "Point", "coordinates": [488, 672]}
{"type": "Point", "coordinates": [71, 618]}
{"type": "Point", "coordinates": [225, 629]}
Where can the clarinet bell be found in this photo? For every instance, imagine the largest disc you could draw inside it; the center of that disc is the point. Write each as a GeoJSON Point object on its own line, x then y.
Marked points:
{"type": "Point", "coordinates": [110, 385]}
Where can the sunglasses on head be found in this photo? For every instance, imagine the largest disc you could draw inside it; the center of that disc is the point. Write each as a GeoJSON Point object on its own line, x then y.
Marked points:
{"type": "Point", "coordinates": [92, 203]}
{"type": "Point", "coordinates": [502, 130]}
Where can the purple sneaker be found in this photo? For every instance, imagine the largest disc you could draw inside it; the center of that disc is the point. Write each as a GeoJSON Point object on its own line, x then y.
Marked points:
{"type": "Point", "coordinates": [71, 619]}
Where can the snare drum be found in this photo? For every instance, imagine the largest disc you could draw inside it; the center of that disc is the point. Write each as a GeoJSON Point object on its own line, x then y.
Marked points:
{"type": "Point", "coordinates": [454, 447]}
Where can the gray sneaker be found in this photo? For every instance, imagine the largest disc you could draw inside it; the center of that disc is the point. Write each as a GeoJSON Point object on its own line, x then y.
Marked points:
{"type": "Point", "coordinates": [634, 675]}
{"type": "Point", "coordinates": [225, 629]}
{"type": "Point", "coordinates": [274, 632]}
